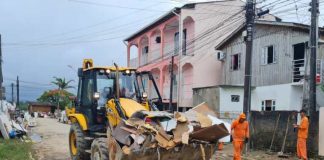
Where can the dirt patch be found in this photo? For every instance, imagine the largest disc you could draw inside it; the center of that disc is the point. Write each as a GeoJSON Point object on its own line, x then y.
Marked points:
{"type": "Point", "coordinates": [54, 144]}
{"type": "Point", "coordinates": [227, 153]}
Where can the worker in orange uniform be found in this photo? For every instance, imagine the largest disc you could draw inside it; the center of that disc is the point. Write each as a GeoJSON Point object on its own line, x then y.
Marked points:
{"type": "Point", "coordinates": [240, 135]}
{"type": "Point", "coordinates": [220, 146]}
{"type": "Point", "coordinates": [302, 135]}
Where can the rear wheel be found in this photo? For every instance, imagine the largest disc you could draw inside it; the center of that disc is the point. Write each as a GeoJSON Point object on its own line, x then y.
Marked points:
{"type": "Point", "coordinates": [77, 143]}
{"type": "Point", "coordinates": [99, 149]}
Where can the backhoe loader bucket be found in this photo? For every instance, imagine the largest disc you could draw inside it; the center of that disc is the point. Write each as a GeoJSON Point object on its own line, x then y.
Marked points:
{"type": "Point", "coordinates": [192, 151]}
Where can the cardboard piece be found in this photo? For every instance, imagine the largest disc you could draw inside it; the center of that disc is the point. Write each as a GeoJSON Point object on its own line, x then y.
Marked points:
{"type": "Point", "coordinates": [161, 140]}
{"type": "Point", "coordinates": [128, 130]}
{"type": "Point", "coordinates": [210, 134]}
{"type": "Point", "coordinates": [204, 109]}
{"type": "Point", "coordinates": [164, 143]}
{"type": "Point", "coordinates": [180, 117]}
{"type": "Point", "coordinates": [126, 150]}
{"type": "Point", "coordinates": [178, 132]}
{"type": "Point", "coordinates": [204, 120]}
{"type": "Point", "coordinates": [185, 138]}
{"type": "Point", "coordinates": [191, 116]}
{"type": "Point", "coordinates": [163, 133]}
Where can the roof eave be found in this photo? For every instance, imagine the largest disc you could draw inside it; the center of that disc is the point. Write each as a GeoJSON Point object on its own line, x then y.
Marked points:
{"type": "Point", "coordinates": [166, 16]}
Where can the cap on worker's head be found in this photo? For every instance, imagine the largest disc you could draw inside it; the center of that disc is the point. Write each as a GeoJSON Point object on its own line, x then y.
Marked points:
{"type": "Point", "coordinates": [302, 111]}
{"type": "Point", "coordinates": [242, 116]}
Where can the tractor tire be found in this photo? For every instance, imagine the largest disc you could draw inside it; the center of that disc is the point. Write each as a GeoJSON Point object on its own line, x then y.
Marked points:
{"type": "Point", "coordinates": [99, 149]}
{"type": "Point", "coordinates": [77, 144]}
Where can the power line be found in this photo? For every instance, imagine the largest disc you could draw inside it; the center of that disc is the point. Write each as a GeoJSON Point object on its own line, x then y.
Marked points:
{"type": "Point", "coordinates": [96, 24]}
{"type": "Point", "coordinates": [30, 82]}
{"type": "Point", "coordinates": [115, 6]}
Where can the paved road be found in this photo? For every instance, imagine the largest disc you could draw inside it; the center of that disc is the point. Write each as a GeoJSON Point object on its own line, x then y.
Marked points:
{"type": "Point", "coordinates": [54, 144]}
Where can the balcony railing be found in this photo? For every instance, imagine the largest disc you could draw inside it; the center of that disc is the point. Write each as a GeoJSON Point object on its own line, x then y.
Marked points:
{"type": "Point", "coordinates": [155, 55]}
{"type": "Point", "coordinates": [144, 59]}
{"type": "Point", "coordinates": [299, 70]}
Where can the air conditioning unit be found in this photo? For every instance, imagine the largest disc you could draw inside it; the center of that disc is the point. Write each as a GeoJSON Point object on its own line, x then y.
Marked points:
{"type": "Point", "coordinates": [220, 55]}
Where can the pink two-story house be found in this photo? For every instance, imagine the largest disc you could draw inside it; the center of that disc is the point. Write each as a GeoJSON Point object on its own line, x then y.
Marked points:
{"type": "Point", "coordinates": [204, 25]}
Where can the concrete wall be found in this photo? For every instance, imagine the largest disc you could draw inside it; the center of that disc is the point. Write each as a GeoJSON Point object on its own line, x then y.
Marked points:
{"type": "Point", "coordinates": [225, 104]}
{"type": "Point", "coordinates": [263, 126]}
{"type": "Point", "coordinates": [321, 132]}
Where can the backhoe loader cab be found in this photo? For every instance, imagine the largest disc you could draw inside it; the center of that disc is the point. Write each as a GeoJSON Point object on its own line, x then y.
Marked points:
{"type": "Point", "coordinates": [107, 95]}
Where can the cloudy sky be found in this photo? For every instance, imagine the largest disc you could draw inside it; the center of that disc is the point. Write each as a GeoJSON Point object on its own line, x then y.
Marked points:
{"type": "Point", "coordinates": [46, 38]}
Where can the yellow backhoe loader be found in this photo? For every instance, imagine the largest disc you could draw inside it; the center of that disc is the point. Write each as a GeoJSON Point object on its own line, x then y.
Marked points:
{"type": "Point", "coordinates": [114, 118]}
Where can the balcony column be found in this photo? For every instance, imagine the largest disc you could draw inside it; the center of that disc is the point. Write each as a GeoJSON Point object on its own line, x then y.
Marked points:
{"type": "Point", "coordinates": [149, 55]}
{"type": "Point", "coordinates": [128, 54]}
{"type": "Point", "coordinates": [139, 47]}
{"type": "Point", "coordinates": [161, 81]}
{"type": "Point", "coordinates": [162, 41]}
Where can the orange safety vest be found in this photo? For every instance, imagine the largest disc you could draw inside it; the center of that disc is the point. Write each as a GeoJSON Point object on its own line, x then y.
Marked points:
{"type": "Point", "coordinates": [241, 130]}
{"type": "Point", "coordinates": [303, 128]}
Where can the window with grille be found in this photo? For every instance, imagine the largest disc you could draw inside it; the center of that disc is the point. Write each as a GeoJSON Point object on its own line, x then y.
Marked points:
{"type": "Point", "coordinates": [268, 105]}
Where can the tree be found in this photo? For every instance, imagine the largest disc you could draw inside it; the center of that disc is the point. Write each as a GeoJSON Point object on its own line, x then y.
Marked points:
{"type": "Point", "coordinates": [61, 83]}
{"type": "Point", "coordinates": [51, 97]}
{"type": "Point", "coordinates": [62, 87]}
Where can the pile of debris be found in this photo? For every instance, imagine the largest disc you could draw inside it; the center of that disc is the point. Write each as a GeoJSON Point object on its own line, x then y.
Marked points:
{"type": "Point", "coordinates": [11, 125]}
{"type": "Point", "coordinates": [152, 129]}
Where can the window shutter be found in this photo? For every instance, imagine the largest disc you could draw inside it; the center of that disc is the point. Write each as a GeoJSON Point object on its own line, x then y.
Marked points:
{"type": "Point", "coordinates": [232, 62]}
{"type": "Point", "coordinates": [273, 105]}
{"type": "Point", "coordinates": [274, 54]}
{"type": "Point", "coordinates": [262, 105]}
{"type": "Point", "coordinates": [263, 56]}
{"type": "Point", "coordinates": [239, 61]}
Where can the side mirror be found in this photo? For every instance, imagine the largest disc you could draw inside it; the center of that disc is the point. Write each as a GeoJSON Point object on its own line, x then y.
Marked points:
{"type": "Point", "coordinates": [96, 95]}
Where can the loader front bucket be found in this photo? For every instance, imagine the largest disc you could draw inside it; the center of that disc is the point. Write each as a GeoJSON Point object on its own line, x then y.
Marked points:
{"type": "Point", "coordinates": [192, 151]}
{"type": "Point", "coordinates": [185, 152]}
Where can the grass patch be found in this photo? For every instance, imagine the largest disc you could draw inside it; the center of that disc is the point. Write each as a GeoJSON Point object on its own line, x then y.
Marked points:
{"type": "Point", "coordinates": [14, 150]}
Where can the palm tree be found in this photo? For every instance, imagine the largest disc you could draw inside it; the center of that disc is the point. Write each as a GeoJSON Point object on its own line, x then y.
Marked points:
{"type": "Point", "coordinates": [62, 86]}
{"type": "Point", "coordinates": [61, 83]}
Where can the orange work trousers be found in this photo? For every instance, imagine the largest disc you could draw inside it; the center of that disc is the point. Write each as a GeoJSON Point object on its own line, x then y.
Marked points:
{"type": "Point", "coordinates": [301, 148]}
{"type": "Point", "coordinates": [238, 147]}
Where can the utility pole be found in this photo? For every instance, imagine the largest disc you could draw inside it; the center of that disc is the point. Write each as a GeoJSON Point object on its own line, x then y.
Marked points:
{"type": "Point", "coordinates": [313, 55]}
{"type": "Point", "coordinates": [250, 15]}
{"type": "Point", "coordinates": [1, 77]}
{"type": "Point", "coordinates": [17, 85]}
{"type": "Point", "coordinates": [171, 82]}
{"type": "Point", "coordinates": [12, 93]}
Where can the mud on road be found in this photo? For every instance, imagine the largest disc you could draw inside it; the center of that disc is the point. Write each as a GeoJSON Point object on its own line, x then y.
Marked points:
{"type": "Point", "coordinates": [54, 144]}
